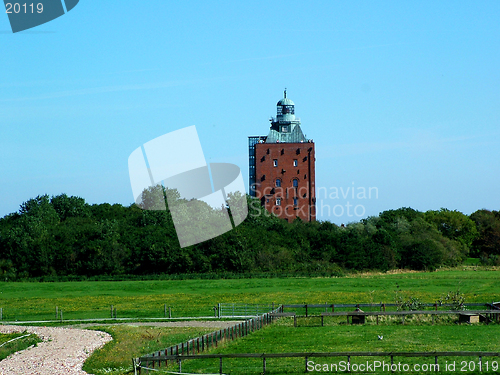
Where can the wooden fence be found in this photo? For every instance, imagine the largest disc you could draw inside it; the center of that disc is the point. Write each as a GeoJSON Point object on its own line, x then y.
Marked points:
{"type": "Point", "coordinates": [348, 355]}
{"type": "Point", "coordinates": [489, 315]}
{"type": "Point", "coordinates": [204, 342]}
{"type": "Point", "coordinates": [380, 306]}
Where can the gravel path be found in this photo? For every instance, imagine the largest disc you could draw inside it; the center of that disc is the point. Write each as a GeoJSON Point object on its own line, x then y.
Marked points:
{"type": "Point", "coordinates": [62, 351]}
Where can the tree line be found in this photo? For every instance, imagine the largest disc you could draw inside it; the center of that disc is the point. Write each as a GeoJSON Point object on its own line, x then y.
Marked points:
{"type": "Point", "coordinates": [65, 236]}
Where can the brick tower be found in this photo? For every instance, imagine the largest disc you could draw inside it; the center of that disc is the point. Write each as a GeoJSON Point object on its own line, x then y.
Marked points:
{"type": "Point", "coordinates": [281, 167]}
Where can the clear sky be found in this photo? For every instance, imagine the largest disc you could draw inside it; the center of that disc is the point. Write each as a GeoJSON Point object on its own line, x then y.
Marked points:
{"type": "Point", "coordinates": [400, 97]}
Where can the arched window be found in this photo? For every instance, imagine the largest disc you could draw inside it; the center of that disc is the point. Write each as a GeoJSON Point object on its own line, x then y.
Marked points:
{"type": "Point", "coordinates": [295, 183]}
{"type": "Point", "coordinates": [278, 182]}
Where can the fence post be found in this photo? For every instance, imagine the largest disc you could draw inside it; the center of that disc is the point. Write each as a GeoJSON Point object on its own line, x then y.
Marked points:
{"type": "Point", "coordinates": [165, 310]}
{"type": "Point", "coordinates": [180, 365]}
{"type": "Point", "coordinates": [61, 315]}
{"type": "Point", "coordinates": [306, 364]}
{"type": "Point", "coordinates": [169, 312]}
{"type": "Point", "coordinates": [263, 365]}
{"type": "Point", "coordinates": [134, 366]}
{"type": "Point", "coordinates": [111, 311]}
{"type": "Point", "coordinates": [220, 366]}
{"type": "Point", "coordinates": [57, 313]}
{"type": "Point", "coordinates": [306, 310]}
{"type": "Point", "coordinates": [218, 309]}
{"type": "Point", "coordinates": [1, 313]}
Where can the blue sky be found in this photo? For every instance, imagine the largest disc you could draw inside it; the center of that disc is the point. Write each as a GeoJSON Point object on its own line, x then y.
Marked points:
{"type": "Point", "coordinates": [398, 96]}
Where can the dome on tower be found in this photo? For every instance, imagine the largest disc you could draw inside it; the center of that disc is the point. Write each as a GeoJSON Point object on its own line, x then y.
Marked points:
{"type": "Point", "coordinates": [285, 109]}
{"type": "Point", "coordinates": [285, 101]}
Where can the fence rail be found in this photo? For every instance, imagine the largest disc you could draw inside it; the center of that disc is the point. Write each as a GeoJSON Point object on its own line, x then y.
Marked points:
{"type": "Point", "coordinates": [306, 356]}
{"type": "Point", "coordinates": [243, 310]}
{"type": "Point", "coordinates": [487, 314]}
{"type": "Point", "coordinates": [204, 342]}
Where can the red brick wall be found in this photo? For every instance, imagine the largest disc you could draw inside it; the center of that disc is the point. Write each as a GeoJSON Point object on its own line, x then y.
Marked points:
{"type": "Point", "coordinates": [304, 173]}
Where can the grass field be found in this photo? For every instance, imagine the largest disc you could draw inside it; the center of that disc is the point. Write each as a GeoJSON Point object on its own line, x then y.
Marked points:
{"type": "Point", "coordinates": [283, 338]}
{"type": "Point", "coordinates": [132, 341]}
{"type": "Point", "coordinates": [196, 298]}
{"type": "Point", "coordinates": [92, 300]}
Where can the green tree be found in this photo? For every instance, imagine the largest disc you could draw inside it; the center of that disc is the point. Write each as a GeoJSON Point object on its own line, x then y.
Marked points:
{"type": "Point", "coordinates": [487, 242]}
{"type": "Point", "coordinates": [453, 225]}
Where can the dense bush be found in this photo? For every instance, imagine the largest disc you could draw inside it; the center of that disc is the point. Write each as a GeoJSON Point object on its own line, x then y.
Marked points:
{"type": "Point", "coordinates": [63, 236]}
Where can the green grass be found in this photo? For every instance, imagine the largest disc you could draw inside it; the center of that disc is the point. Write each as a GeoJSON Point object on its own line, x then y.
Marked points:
{"type": "Point", "coordinates": [17, 345]}
{"type": "Point", "coordinates": [92, 300]}
{"type": "Point", "coordinates": [131, 341]}
{"type": "Point", "coordinates": [282, 338]}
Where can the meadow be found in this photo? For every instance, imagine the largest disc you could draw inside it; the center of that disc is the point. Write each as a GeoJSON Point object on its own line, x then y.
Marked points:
{"type": "Point", "coordinates": [284, 338]}
{"type": "Point", "coordinates": [196, 298]}
{"type": "Point", "coordinates": [28, 301]}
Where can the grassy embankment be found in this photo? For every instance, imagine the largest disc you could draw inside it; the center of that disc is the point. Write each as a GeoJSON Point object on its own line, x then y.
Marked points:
{"type": "Point", "coordinates": [7, 348]}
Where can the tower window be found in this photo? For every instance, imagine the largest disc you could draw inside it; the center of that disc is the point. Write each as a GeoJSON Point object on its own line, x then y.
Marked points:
{"type": "Point", "coordinates": [295, 162]}
{"type": "Point", "coordinates": [284, 129]}
{"type": "Point", "coordinates": [295, 201]}
{"type": "Point", "coordinates": [278, 201]}
{"type": "Point", "coordinates": [295, 183]}
{"type": "Point", "coordinates": [278, 182]}
{"type": "Point", "coordinates": [275, 162]}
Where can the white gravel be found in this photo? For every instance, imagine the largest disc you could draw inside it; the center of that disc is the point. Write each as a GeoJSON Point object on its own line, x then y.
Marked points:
{"type": "Point", "coordinates": [62, 352]}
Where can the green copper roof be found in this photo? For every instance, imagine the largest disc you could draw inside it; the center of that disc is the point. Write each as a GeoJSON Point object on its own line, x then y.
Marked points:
{"type": "Point", "coordinates": [285, 101]}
